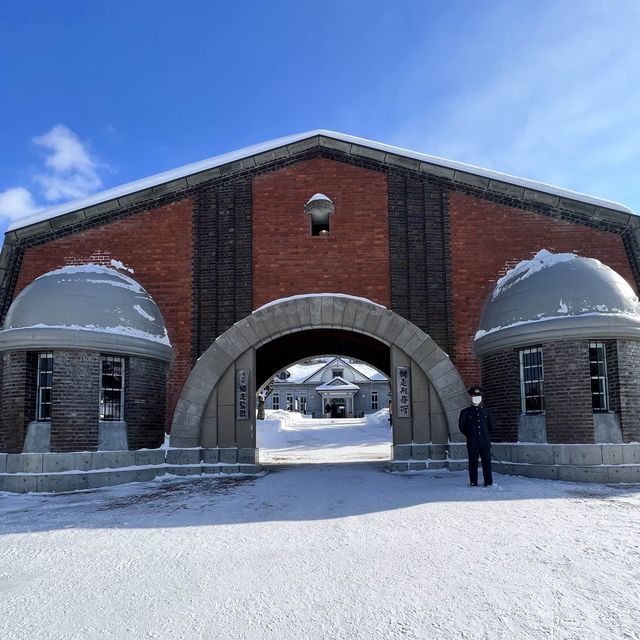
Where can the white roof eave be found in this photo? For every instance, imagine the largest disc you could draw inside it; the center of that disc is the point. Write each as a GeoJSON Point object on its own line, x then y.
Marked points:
{"type": "Point", "coordinates": [233, 156]}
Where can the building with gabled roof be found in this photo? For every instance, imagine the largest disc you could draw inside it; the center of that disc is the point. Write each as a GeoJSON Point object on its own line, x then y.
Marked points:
{"type": "Point", "coordinates": [338, 388]}
{"type": "Point", "coordinates": [321, 243]}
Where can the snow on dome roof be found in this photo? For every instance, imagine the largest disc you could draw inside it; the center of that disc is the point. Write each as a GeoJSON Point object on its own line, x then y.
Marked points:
{"type": "Point", "coordinates": [557, 296]}
{"type": "Point", "coordinates": [86, 307]}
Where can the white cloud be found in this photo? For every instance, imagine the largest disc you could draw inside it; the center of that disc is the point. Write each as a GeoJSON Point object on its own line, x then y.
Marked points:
{"type": "Point", "coordinates": [556, 99]}
{"type": "Point", "coordinates": [68, 172]}
{"type": "Point", "coordinates": [72, 172]}
{"type": "Point", "coordinates": [16, 203]}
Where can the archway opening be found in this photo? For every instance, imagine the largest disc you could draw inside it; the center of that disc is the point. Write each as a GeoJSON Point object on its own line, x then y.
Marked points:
{"type": "Point", "coordinates": [325, 409]}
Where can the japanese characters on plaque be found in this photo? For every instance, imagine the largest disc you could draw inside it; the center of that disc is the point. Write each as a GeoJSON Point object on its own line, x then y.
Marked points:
{"type": "Point", "coordinates": [403, 392]}
{"type": "Point", "coordinates": [242, 394]}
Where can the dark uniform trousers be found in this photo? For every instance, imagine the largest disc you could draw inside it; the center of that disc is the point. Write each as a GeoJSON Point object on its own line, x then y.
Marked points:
{"type": "Point", "coordinates": [476, 424]}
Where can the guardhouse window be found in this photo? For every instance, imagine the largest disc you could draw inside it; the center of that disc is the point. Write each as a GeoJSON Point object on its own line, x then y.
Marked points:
{"type": "Point", "coordinates": [112, 388]}
{"type": "Point", "coordinates": [531, 381]}
{"type": "Point", "coordinates": [319, 207]}
{"type": "Point", "coordinates": [289, 399]}
{"type": "Point", "coordinates": [337, 373]}
{"type": "Point", "coordinates": [275, 400]}
{"type": "Point", "coordinates": [374, 400]}
{"type": "Point", "coordinates": [599, 382]}
{"type": "Point", "coordinates": [45, 382]}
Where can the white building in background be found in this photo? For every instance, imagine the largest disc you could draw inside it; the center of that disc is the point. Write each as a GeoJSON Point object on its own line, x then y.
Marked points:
{"type": "Point", "coordinates": [338, 388]}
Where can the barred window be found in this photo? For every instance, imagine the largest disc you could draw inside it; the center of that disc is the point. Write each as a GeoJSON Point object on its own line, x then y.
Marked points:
{"type": "Point", "coordinates": [112, 388]}
{"type": "Point", "coordinates": [275, 400]}
{"type": "Point", "coordinates": [599, 382]}
{"type": "Point", "coordinates": [531, 381]}
{"type": "Point", "coordinates": [374, 400]}
{"type": "Point", "coordinates": [45, 382]}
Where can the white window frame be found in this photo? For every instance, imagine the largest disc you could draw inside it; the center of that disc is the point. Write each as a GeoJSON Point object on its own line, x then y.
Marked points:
{"type": "Point", "coordinates": [289, 401]}
{"type": "Point", "coordinates": [374, 401]}
{"type": "Point", "coordinates": [102, 412]}
{"type": "Point", "coordinates": [534, 377]}
{"type": "Point", "coordinates": [603, 380]}
{"type": "Point", "coordinates": [275, 401]}
{"type": "Point", "coordinates": [41, 413]}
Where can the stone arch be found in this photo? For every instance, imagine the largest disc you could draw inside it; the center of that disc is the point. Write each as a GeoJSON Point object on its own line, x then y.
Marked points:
{"type": "Point", "coordinates": [205, 414]}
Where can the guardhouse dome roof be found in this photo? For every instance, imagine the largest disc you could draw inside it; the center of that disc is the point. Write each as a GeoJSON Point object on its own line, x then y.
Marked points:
{"type": "Point", "coordinates": [86, 307]}
{"type": "Point", "coordinates": [555, 297]}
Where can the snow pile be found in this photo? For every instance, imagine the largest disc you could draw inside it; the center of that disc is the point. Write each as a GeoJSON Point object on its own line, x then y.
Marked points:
{"type": "Point", "coordinates": [319, 295]}
{"type": "Point", "coordinates": [286, 436]}
{"type": "Point", "coordinates": [320, 552]}
{"type": "Point", "coordinates": [526, 268]}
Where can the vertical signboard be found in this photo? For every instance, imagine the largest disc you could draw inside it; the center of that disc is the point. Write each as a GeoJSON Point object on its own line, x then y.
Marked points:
{"type": "Point", "coordinates": [403, 392]}
{"type": "Point", "coordinates": [242, 394]}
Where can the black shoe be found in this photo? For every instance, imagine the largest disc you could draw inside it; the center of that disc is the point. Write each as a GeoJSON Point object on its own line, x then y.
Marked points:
{"type": "Point", "coordinates": [473, 484]}
{"type": "Point", "coordinates": [489, 485]}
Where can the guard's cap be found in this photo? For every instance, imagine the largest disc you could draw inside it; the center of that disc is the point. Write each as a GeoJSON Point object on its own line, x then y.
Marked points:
{"type": "Point", "coordinates": [475, 390]}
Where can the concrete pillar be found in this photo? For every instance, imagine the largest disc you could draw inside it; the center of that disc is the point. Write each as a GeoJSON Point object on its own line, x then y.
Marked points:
{"type": "Point", "coordinates": [402, 427]}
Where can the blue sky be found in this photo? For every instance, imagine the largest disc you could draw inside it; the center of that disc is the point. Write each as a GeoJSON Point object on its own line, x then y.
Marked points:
{"type": "Point", "coordinates": [96, 94]}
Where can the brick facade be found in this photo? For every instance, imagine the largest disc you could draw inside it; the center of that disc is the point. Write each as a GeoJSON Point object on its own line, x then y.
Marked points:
{"type": "Point", "coordinates": [145, 402]}
{"type": "Point", "coordinates": [567, 390]}
{"type": "Point", "coordinates": [488, 238]}
{"type": "Point", "coordinates": [222, 261]}
{"type": "Point", "coordinates": [157, 245]}
{"type": "Point", "coordinates": [74, 396]}
{"type": "Point", "coordinates": [212, 248]}
{"type": "Point", "coordinates": [353, 259]}
{"type": "Point", "coordinates": [18, 396]}
{"type": "Point", "coordinates": [501, 383]}
{"type": "Point", "coordinates": [623, 360]}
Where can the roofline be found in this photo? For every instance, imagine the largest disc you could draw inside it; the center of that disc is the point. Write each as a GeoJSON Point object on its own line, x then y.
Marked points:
{"type": "Point", "coordinates": [266, 151]}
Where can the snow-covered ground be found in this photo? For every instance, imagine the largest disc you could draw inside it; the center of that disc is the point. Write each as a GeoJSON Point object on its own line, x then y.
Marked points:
{"type": "Point", "coordinates": [288, 437]}
{"type": "Point", "coordinates": [338, 551]}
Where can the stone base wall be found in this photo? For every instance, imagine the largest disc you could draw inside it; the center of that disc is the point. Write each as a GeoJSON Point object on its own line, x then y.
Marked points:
{"type": "Point", "coordinates": [75, 471]}
{"type": "Point", "coordinates": [608, 463]}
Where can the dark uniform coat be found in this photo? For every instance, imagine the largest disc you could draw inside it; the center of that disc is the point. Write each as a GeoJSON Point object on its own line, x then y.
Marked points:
{"type": "Point", "coordinates": [476, 424]}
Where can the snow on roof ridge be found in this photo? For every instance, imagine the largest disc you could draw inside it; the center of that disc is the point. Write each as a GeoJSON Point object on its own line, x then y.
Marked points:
{"type": "Point", "coordinates": [214, 161]}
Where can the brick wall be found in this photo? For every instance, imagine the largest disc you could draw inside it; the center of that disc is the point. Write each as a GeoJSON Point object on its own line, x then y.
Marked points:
{"type": "Point", "coordinates": [567, 392]}
{"type": "Point", "coordinates": [157, 245]}
{"type": "Point", "coordinates": [501, 383]}
{"type": "Point", "coordinates": [145, 402]}
{"type": "Point", "coordinates": [488, 238]}
{"type": "Point", "coordinates": [354, 259]}
{"type": "Point", "coordinates": [18, 390]}
{"type": "Point", "coordinates": [420, 276]}
{"type": "Point", "coordinates": [75, 401]}
{"type": "Point", "coordinates": [623, 367]}
{"type": "Point", "coordinates": [222, 269]}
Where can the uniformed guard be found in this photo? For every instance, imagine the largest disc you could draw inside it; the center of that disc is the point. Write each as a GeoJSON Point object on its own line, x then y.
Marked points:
{"type": "Point", "coordinates": [476, 424]}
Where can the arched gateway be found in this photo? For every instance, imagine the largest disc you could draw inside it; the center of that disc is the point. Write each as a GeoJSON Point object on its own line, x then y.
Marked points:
{"type": "Point", "coordinates": [216, 408]}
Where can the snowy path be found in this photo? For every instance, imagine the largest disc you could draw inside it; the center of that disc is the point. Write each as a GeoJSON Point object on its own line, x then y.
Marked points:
{"type": "Point", "coordinates": [323, 551]}
{"type": "Point", "coordinates": [288, 437]}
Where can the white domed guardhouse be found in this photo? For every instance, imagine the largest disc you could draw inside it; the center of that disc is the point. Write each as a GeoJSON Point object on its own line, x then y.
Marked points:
{"type": "Point", "coordinates": [81, 333]}
{"type": "Point", "coordinates": [559, 344]}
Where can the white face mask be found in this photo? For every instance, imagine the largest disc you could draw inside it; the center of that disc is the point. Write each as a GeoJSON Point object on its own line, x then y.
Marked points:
{"type": "Point", "coordinates": [476, 400]}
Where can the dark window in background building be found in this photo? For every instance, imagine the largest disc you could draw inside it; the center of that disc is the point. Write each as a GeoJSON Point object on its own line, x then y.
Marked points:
{"type": "Point", "coordinates": [45, 382]}
{"type": "Point", "coordinates": [599, 383]}
{"type": "Point", "coordinates": [112, 388]}
{"type": "Point", "coordinates": [531, 381]}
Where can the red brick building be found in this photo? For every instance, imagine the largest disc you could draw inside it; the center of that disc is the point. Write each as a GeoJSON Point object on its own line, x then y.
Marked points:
{"type": "Point", "coordinates": [424, 238]}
